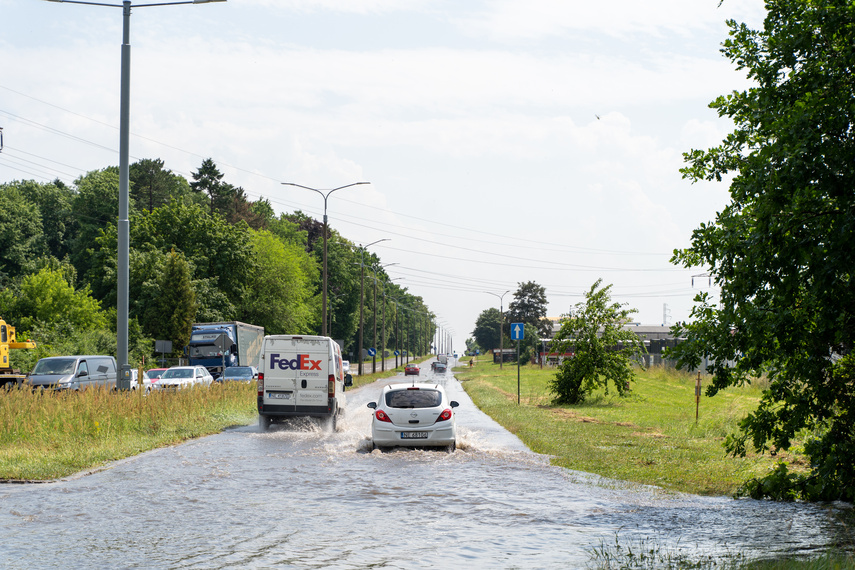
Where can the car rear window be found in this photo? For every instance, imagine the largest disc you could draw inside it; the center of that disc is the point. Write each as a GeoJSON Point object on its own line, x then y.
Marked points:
{"type": "Point", "coordinates": [418, 398]}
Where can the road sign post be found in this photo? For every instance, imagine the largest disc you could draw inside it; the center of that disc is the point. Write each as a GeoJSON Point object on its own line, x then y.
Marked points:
{"type": "Point", "coordinates": [517, 334]}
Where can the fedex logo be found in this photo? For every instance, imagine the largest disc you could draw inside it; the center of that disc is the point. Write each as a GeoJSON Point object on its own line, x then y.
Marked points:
{"type": "Point", "coordinates": [302, 362]}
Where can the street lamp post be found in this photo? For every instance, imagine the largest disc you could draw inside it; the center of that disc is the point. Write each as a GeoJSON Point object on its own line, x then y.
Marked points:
{"type": "Point", "coordinates": [325, 197]}
{"type": "Point", "coordinates": [362, 297]}
{"type": "Point", "coordinates": [123, 227]}
{"type": "Point", "coordinates": [501, 322]}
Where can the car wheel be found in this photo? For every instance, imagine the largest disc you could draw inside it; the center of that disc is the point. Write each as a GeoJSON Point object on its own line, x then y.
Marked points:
{"type": "Point", "coordinates": [264, 422]}
{"type": "Point", "coordinates": [452, 447]}
{"type": "Point", "coordinates": [332, 422]}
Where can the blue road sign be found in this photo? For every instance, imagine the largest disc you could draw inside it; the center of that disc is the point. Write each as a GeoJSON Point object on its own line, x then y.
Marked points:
{"type": "Point", "coordinates": [371, 352]}
{"type": "Point", "coordinates": [397, 353]}
{"type": "Point", "coordinates": [517, 331]}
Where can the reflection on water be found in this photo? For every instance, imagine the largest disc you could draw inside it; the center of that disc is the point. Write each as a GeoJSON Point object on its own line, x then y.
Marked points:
{"type": "Point", "coordinates": [298, 496]}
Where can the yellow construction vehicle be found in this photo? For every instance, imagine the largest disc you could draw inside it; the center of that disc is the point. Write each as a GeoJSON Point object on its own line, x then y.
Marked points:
{"type": "Point", "coordinates": [8, 341]}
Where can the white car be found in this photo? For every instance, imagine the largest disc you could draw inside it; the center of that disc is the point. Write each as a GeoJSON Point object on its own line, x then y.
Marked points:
{"type": "Point", "coordinates": [345, 365]}
{"type": "Point", "coordinates": [179, 377]}
{"type": "Point", "coordinates": [414, 415]}
{"type": "Point", "coordinates": [147, 383]}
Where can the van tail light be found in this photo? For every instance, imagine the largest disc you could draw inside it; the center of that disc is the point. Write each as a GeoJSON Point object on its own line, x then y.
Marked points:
{"type": "Point", "coordinates": [260, 384]}
{"type": "Point", "coordinates": [331, 386]}
{"type": "Point", "coordinates": [381, 416]}
{"type": "Point", "coordinates": [445, 415]}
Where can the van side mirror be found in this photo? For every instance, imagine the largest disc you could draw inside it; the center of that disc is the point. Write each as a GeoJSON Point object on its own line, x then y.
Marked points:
{"type": "Point", "coordinates": [372, 405]}
{"type": "Point", "coordinates": [82, 373]}
{"type": "Point", "coordinates": [348, 380]}
{"type": "Point", "coordinates": [454, 404]}
{"type": "Point", "coordinates": [233, 349]}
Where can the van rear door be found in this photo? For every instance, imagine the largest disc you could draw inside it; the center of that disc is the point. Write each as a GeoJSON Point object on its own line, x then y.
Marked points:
{"type": "Point", "coordinates": [279, 381]}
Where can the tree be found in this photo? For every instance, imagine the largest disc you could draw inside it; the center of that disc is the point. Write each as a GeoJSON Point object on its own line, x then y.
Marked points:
{"type": "Point", "coordinates": [20, 232]}
{"type": "Point", "coordinates": [280, 288]}
{"type": "Point", "coordinates": [783, 250]}
{"type": "Point", "coordinates": [47, 299]}
{"type": "Point", "coordinates": [175, 310]}
{"type": "Point", "coordinates": [153, 186]}
{"type": "Point", "coordinates": [488, 328]}
{"type": "Point", "coordinates": [529, 306]}
{"type": "Point", "coordinates": [208, 179]}
{"type": "Point", "coordinates": [603, 350]}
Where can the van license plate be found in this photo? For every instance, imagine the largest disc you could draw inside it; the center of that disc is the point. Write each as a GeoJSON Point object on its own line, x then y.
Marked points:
{"type": "Point", "coordinates": [279, 395]}
{"type": "Point", "coordinates": [414, 435]}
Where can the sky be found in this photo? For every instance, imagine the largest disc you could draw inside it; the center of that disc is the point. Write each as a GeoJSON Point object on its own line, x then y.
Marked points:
{"type": "Point", "coordinates": [504, 141]}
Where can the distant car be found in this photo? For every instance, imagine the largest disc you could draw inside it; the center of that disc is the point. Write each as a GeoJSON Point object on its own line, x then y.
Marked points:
{"type": "Point", "coordinates": [411, 370]}
{"type": "Point", "coordinates": [135, 380]}
{"type": "Point", "coordinates": [239, 374]}
{"type": "Point", "coordinates": [345, 365]}
{"type": "Point", "coordinates": [155, 373]}
{"type": "Point", "coordinates": [439, 367]}
{"type": "Point", "coordinates": [414, 415]}
{"type": "Point", "coordinates": [179, 377]}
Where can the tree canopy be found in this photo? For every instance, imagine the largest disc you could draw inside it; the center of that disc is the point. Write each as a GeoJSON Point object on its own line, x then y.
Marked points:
{"type": "Point", "coordinates": [603, 350]}
{"type": "Point", "coordinates": [783, 250]}
{"type": "Point", "coordinates": [529, 306]}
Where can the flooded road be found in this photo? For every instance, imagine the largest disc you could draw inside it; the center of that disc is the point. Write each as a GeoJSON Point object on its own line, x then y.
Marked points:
{"type": "Point", "coordinates": [300, 497]}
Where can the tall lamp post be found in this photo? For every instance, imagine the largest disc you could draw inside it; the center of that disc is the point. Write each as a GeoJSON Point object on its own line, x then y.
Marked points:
{"type": "Point", "coordinates": [325, 197]}
{"type": "Point", "coordinates": [501, 322]}
{"type": "Point", "coordinates": [123, 255]}
{"type": "Point", "coordinates": [362, 249]}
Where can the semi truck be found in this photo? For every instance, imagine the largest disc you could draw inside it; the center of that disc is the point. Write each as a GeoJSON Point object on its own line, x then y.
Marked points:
{"type": "Point", "coordinates": [217, 346]}
{"type": "Point", "coordinates": [8, 375]}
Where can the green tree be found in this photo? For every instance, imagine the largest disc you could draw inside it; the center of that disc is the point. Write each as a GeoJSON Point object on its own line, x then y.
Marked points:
{"type": "Point", "coordinates": [153, 186]}
{"type": "Point", "coordinates": [21, 235]}
{"type": "Point", "coordinates": [783, 250]}
{"type": "Point", "coordinates": [529, 306]}
{"type": "Point", "coordinates": [95, 207]}
{"type": "Point", "coordinates": [175, 310]}
{"type": "Point", "coordinates": [209, 180]}
{"type": "Point", "coordinates": [603, 350]}
{"type": "Point", "coordinates": [47, 299]}
{"type": "Point", "coordinates": [280, 288]}
{"type": "Point", "coordinates": [488, 328]}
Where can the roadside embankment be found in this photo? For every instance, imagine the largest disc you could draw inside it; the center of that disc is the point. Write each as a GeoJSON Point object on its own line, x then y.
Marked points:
{"type": "Point", "coordinates": [649, 436]}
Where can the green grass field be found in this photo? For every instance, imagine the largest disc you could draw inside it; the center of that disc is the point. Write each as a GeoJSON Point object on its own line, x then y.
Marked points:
{"type": "Point", "coordinates": [46, 435]}
{"type": "Point", "coordinates": [649, 436]}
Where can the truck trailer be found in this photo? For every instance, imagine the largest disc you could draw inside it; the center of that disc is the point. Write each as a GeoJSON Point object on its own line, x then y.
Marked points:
{"type": "Point", "coordinates": [217, 346]}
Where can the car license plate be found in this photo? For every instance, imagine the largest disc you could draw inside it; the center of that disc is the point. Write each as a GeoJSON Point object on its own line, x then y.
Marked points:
{"type": "Point", "coordinates": [414, 435]}
{"type": "Point", "coordinates": [279, 395]}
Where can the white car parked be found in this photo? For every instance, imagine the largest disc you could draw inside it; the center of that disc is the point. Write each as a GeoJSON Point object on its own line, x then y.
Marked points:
{"type": "Point", "coordinates": [179, 377]}
{"type": "Point", "coordinates": [414, 415]}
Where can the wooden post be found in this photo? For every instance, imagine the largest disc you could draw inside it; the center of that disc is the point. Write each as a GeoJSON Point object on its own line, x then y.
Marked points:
{"type": "Point", "coordinates": [697, 396]}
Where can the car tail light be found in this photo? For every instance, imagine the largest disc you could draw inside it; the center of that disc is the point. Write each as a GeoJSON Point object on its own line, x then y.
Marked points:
{"type": "Point", "coordinates": [331, 386]}
{"type": "Point", "coordinates": [381, 416]}
{"type": "Point", "coordinates": [260, 384]}
{"type": "Point", "coordinates": [445, 415]}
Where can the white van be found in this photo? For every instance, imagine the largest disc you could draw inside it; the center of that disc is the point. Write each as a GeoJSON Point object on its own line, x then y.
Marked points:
{"type": "Point", "coordinates": [301, 376]}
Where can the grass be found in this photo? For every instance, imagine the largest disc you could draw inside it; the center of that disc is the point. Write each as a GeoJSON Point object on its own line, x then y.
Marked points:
{"type": "Point", "coordinates": [649, 437]}
{"type": "Point", "coordinates": [47, 435]}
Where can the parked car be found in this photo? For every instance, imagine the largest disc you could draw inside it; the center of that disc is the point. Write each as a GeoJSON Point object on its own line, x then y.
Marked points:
{"type": "Point", "coordinates": [155, 373]}
{"type": "Point", "coordinates": [415, 415]}
{"type": "Point", "coordinates": [239, 374]}
{"type": "Point", "coordinates": [135, 380]}
{"type": "Point", "coordinates": [411, 370]}
{"type": "Point", "coordinates": [179, 377]}
{"type": "Point", "coordinates": [73, 372]}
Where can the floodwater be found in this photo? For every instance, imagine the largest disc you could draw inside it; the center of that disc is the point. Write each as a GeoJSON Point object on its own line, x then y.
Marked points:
{"type": "Point", "coordinates": [301, 497]}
